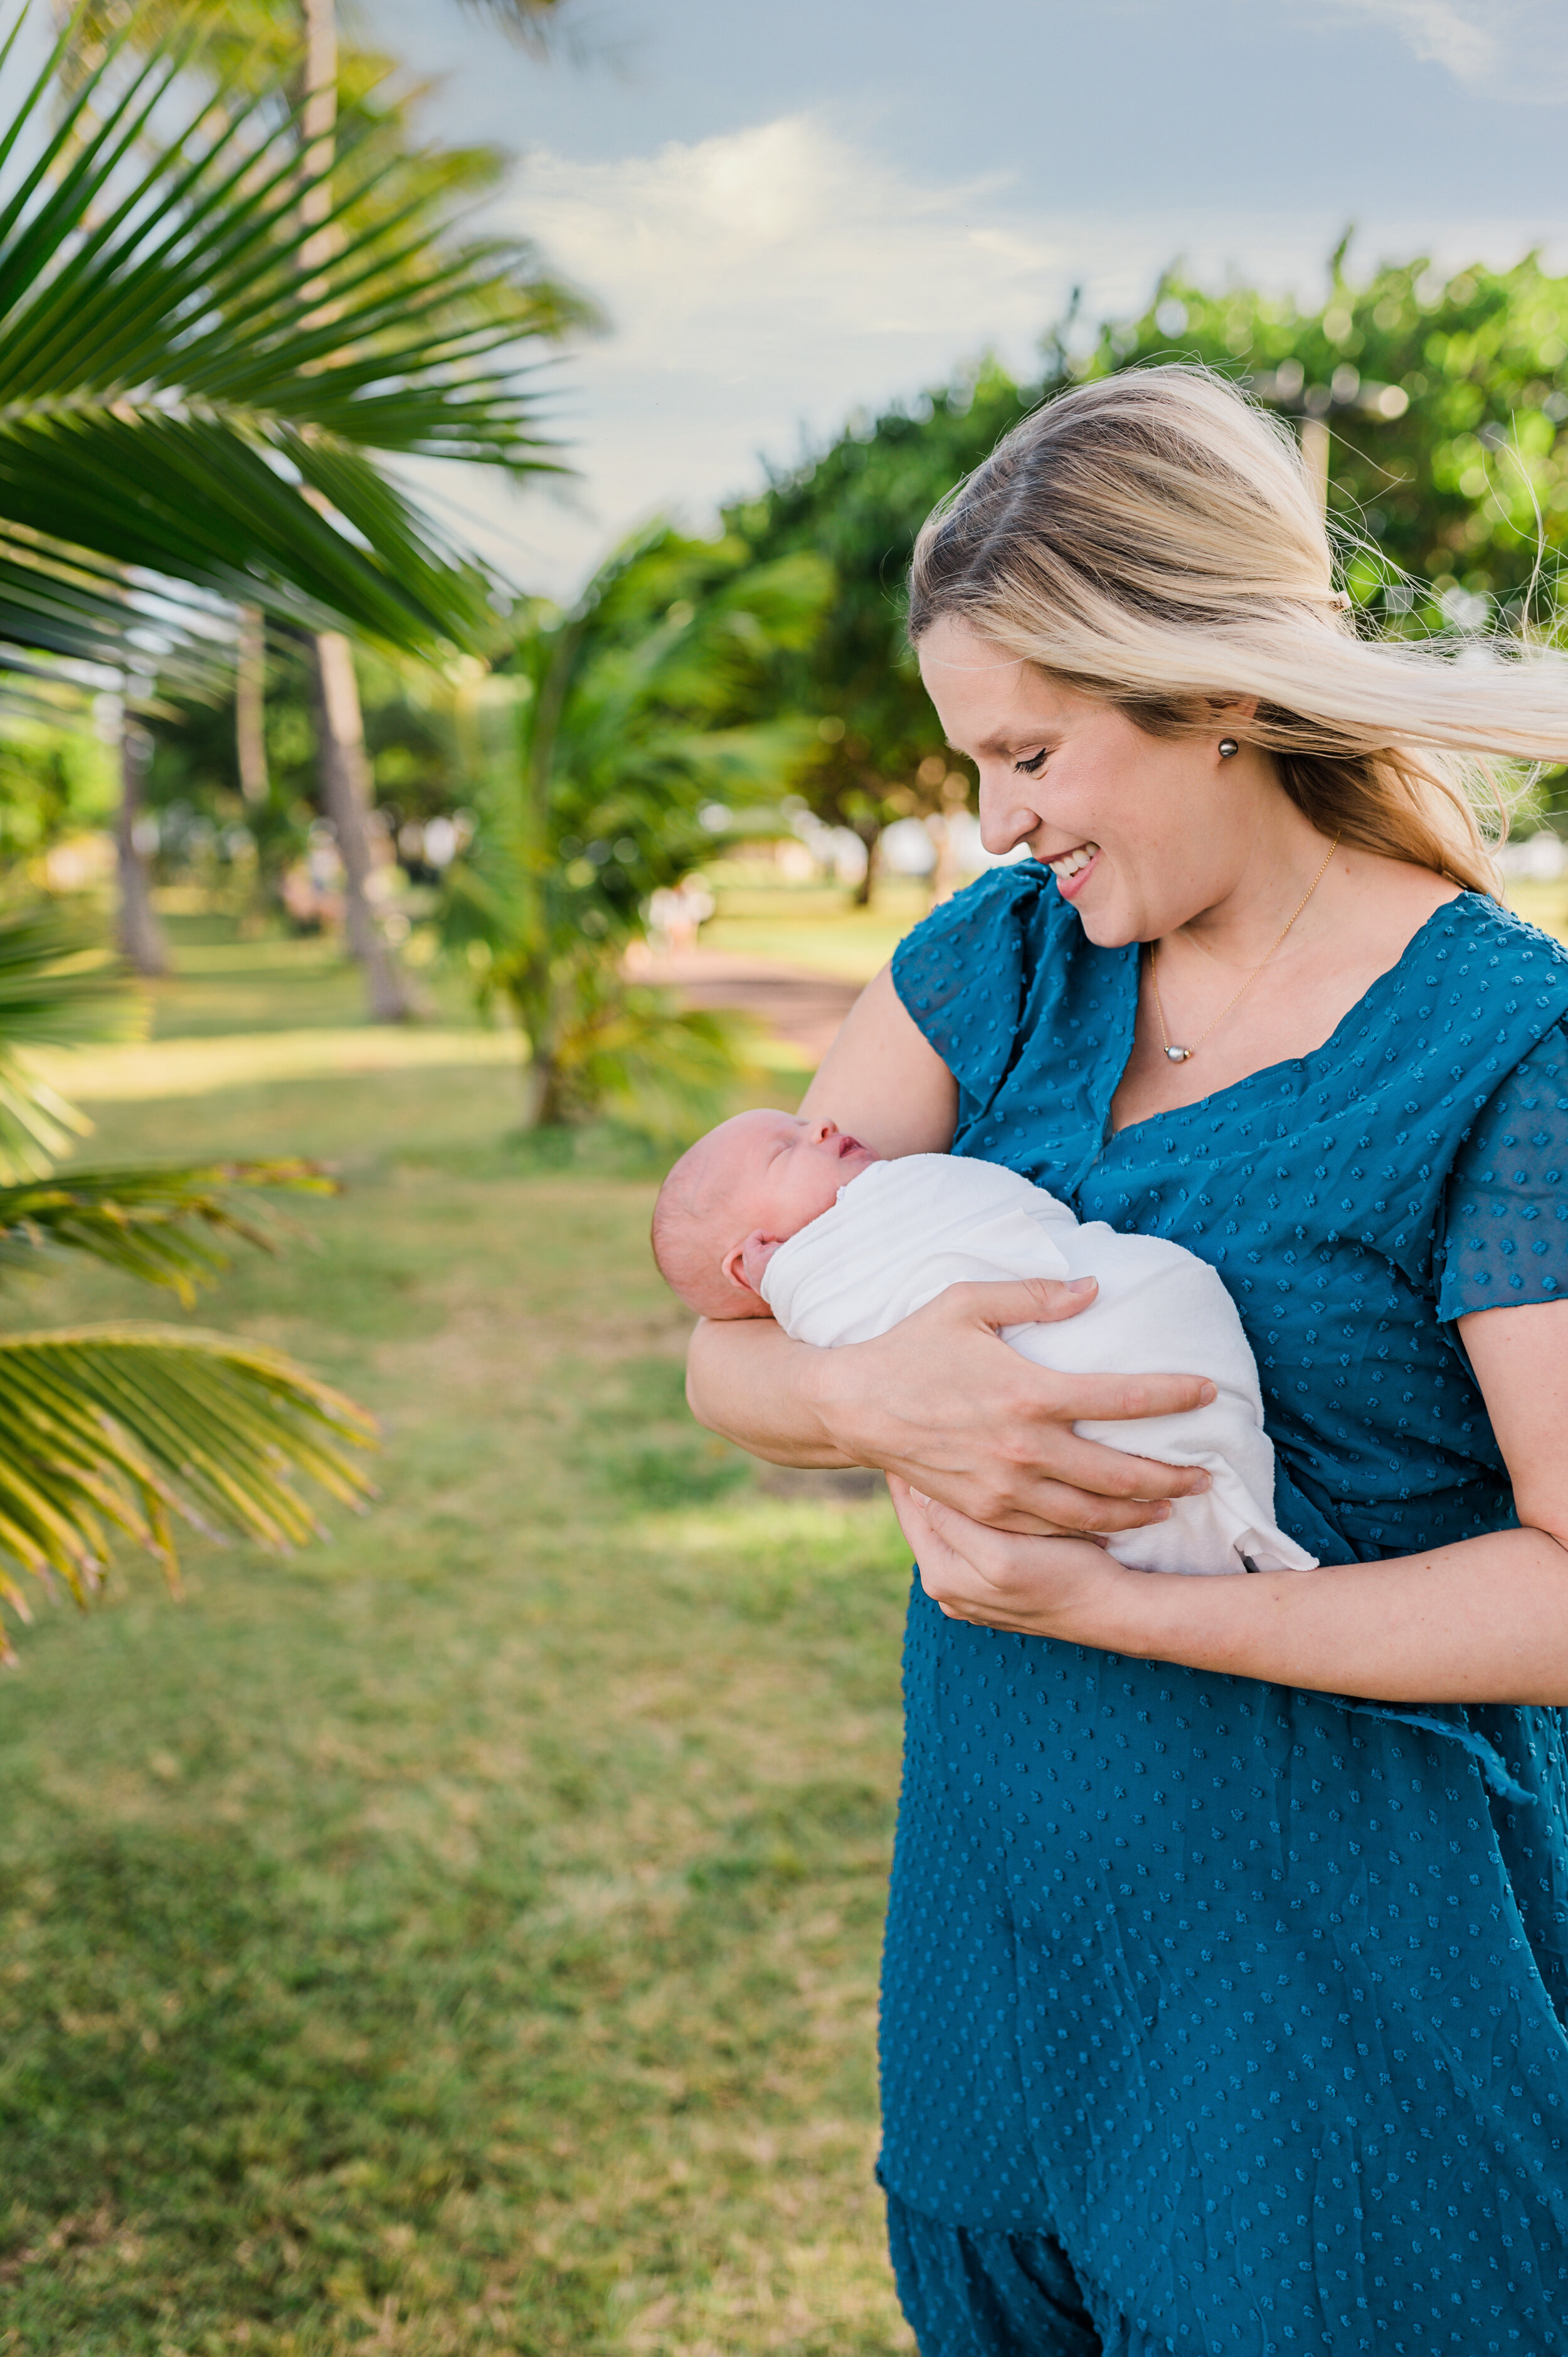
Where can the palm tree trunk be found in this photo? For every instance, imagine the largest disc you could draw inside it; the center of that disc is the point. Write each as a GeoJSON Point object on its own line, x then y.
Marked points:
{"type": "Point", "coordinates": [250, 707]}
{"type": "Point", "coordinates": [346, 797]}
{"type": "Point", "coordinates": [341, 746]}
{"type": "Point", "coordinates": [140, 934]}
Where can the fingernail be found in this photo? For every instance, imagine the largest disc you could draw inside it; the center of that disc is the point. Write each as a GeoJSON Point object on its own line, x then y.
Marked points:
{"type": "Point", "coordinates": [1200, 1482]}
{"type": "Point", "coordinates": [1163, 1514]}
{"type": "Point", "coordinates": [1208, 1393]}
{"type": "Point", "coordinates": [1082, 1284]}
{"type": "Point", "coordinates": [919, 1497]}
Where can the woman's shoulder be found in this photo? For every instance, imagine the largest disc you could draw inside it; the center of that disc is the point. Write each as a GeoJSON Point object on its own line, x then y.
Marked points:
{"type": "Point", "coordinates": [1489, 944]}
{"type": "Point", "coordinates": [972, 973]}
{"type": "Point", "coordinates": [1480, 980]}
{"type": "Point", "coordinates": [1004, 924]}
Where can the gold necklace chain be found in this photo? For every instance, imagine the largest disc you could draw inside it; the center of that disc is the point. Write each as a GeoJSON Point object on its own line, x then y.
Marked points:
{"type": "Point", "coordinates": [1180, 1055]}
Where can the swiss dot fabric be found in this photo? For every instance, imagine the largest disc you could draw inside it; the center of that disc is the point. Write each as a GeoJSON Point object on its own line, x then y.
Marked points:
{"type": "Point", "coordinates": [1229, 2018]}
{"type": "Point", "coordinates": [1507, 1210]}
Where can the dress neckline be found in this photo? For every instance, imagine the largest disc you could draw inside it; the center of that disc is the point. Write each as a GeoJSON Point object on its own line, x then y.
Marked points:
{"type": "Point", "coordinates": [1352, 1015]}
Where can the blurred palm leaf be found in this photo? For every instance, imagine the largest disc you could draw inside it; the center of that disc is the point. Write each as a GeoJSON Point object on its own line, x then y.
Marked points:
{"type": "Point", "coordinates": [668, 1071]}
{"type": "Point", "coordinates": [122, 1429]}
{"type": "Point", "coordinates": [653, 699]}
{"type": "Point", "coordinates": [186, 393]}
{"type": "Point", "coordinates": [58, 989]}
{"type": "Point", "coordinates": [160, 1225]}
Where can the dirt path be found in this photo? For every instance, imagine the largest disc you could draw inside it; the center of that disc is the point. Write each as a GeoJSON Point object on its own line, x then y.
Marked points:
{"type": "Point", "coordinates": [803, 1006]}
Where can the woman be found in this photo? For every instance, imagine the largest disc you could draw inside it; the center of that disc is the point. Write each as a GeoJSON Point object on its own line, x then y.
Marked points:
{"type": "Point", "coordinates": [1227, 1959]}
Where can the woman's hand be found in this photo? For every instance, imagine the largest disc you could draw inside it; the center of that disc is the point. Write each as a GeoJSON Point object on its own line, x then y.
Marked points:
{"type": "Point", "coordinates": [942, 1403]}
{"type": "Point", "coordinates": [1007, 1579]}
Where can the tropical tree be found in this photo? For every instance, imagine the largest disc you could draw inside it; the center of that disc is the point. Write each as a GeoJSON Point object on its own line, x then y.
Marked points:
{"type": "Point", "coordinates": [211, 347]}
{"type": "Point", "coordinates": [120, 1431]}
{"type": "Point", "coordinates": [1444, 398]}
{"type": "Point", "coordinates": [859, 505]}
{"type": "Point", "coordinates": [1437, 404]}
{"type": "Point", "coordinates": [621, 735]}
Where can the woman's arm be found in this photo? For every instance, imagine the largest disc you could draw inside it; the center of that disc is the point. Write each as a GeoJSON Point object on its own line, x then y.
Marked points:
{"type": "Point", "coordinates": [941, 1399]}
{"type": "Point", "coordinates": [883, 1081]}
{"type": "Point", "coordinates": [1483, 1620]}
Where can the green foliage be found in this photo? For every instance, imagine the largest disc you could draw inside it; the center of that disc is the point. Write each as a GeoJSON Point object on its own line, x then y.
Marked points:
{"type": "Point", "coordinates": [1446, 399]}
{"type": "Point", "coordinates": [859, 505]}
{"type": "Point", "coordinates": [160, 1225]}
{"type": "Point", "coordinates": [613, 730]}
{"type": "Point", "coordinates": [189, 387]}
{"type": "Point", "coordinates": [56, 779]}
{"type": "Point", "coordinates": [122, 1428]}
{"type": "Point", "coordinates": [413, 736]}
{"type": "Point", "coordinates": [57, 990]}
{"type": "Point", "coordinates": [1448, 481]}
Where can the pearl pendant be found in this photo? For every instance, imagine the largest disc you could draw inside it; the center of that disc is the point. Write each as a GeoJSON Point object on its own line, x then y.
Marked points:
{"type": "Point", "coordinates": [1177, 1055]}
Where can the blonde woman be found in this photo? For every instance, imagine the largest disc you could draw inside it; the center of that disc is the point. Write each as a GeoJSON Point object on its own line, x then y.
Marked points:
{"type": "Point", "coordinates": [1227, 1959]}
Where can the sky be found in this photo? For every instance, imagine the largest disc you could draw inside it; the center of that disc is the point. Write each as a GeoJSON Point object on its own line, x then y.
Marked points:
{"type": "Point", "coordinates": [789, 214]}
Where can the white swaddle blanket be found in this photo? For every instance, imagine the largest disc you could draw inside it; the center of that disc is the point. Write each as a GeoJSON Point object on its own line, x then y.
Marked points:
{"type": "Point", "coordinates": [903, 1230]}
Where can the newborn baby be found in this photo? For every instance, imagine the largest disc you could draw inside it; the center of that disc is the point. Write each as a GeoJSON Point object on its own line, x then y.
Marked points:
{"type": "Point", "coordinates": [773, 1214]}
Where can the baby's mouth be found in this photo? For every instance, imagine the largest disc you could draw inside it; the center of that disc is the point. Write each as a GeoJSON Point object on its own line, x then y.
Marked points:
{"type": "Point", "coordinates": [1067, 864]}
{"type": "Point", "coordinates": [850, 1146]}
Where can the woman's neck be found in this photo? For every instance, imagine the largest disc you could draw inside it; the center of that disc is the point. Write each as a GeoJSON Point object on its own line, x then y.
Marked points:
{"type": "Point", "coordinates": [1283, 881]}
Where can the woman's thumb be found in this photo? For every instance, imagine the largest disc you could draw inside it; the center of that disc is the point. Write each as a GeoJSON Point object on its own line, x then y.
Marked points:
{"type": "Point", "coordinates": [1036, 1300]}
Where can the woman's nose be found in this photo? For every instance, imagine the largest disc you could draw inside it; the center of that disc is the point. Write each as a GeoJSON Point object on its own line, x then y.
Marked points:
{"type": "Point", "coordinates": [1005, 822]}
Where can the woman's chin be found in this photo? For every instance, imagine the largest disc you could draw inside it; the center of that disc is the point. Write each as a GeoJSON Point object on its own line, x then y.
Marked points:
{"type": "Point", "coordinates": [1108, 928]}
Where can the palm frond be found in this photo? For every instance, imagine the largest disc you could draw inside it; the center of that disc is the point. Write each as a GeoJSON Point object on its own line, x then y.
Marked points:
{"type": "Point", "coordinates": [180, 393]}
{"type": "Point", "coordinates": [160, 1225]}
{"type": "Point", "coordinates": [122, 1430]}
{"type": "Point", "coordinates": [58, 989]}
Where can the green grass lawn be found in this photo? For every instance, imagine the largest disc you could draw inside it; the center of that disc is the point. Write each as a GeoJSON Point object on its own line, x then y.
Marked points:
{"type": "Point", "coordinates": [461, 1938]}
{"type": "Point", "coordinates": [813, 924]}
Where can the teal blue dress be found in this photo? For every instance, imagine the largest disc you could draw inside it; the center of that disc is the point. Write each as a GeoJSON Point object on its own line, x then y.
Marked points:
{"type": "Point", "coordinates": [1218, 2017]}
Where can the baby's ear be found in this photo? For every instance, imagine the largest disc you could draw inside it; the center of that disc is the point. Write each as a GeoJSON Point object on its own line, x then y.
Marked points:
{"type": "Point", "coordinates": [743, 1266]}
{"type": "Point", "coordinates": [755, 1256]}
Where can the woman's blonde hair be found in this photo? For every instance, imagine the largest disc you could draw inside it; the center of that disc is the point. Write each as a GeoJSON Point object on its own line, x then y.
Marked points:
{"type": "Point", "coordinates": [1152, 539]}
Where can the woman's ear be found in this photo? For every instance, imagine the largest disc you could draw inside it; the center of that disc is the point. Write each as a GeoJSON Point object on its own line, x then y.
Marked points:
{"type": "Point", "coordinates": [1234, 711]}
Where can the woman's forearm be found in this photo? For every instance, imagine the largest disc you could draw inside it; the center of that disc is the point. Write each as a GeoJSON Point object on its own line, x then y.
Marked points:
{"type": "Point", "coordinates": [746, 1380]}
{"type": "Point", "coordinates": [1483, 1620]}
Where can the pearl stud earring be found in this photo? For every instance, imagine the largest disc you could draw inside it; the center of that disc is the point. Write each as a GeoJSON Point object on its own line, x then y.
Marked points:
{"type": "Point", "coordinates": [1228, 747]}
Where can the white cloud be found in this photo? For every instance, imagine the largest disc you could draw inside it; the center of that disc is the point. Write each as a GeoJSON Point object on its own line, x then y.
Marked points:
{"type": "Point", "coordinates": [762, 284]}
{"type": "Point", "coordinates": [1517, 49]}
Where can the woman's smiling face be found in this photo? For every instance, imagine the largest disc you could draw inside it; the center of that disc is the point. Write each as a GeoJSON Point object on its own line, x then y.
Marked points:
{"type": "Point", "coordinates": [1141, 832]}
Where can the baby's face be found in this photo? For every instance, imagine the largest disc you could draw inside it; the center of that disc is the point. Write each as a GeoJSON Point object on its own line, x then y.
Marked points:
{"type": "Point", "coordinates": [776, 1172]}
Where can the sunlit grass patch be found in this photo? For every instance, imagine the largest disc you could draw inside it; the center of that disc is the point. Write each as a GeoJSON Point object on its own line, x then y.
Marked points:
{"type": "Point", "coordinates": [463, 1938]}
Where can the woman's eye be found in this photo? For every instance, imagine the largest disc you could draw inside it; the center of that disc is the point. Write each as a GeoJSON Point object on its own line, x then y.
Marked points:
{"type": "Point", "coordinates": [1033, 765]}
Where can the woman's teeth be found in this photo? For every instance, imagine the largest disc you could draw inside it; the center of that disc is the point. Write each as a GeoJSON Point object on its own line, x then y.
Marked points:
{"type": "Point", "coordinates": [1068, 864]}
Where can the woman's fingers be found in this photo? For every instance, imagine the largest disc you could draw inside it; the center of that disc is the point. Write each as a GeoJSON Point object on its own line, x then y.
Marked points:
{"type": "Point", "coordinates": [942, 1401]}
{"type": "Point", "coordinates": [1033, 1501]}
{"type": "Point", "coordinates": [994, 1579]}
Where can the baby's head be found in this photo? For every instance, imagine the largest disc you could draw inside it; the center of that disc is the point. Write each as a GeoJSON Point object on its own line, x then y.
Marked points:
{"type": "Point", "coordinates": [736, 1195]}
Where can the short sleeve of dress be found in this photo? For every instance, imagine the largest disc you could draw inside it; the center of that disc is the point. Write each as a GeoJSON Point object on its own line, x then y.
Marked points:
{"type": "Point", "coordinates": [1505, 1236]}
{"type": "Point", "coordinates": [963, 971]}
